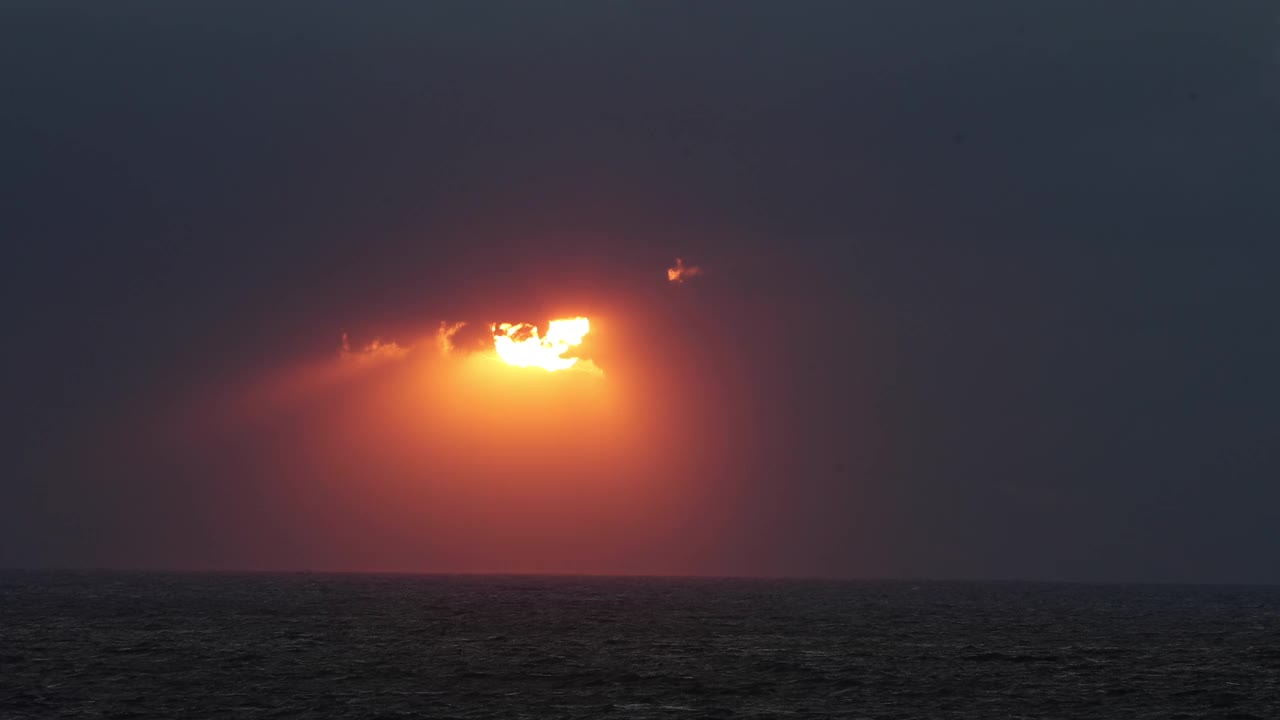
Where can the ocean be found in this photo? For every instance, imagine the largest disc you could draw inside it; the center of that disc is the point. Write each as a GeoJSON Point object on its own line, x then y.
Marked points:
{"type": "Point", "coordinates": [172, 645]}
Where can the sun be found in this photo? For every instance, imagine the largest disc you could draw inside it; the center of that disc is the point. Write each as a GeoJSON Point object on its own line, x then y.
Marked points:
{"type": "Point", "coordinates": [520, 345]}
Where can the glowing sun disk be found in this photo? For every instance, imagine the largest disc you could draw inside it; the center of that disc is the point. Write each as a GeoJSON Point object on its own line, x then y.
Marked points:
{"type": "Point", "coordinates": [520, 345]}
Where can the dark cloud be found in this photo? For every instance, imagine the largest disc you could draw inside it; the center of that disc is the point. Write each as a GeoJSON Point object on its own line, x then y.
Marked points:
{"type": "Point", "coordinates": [472, 337]}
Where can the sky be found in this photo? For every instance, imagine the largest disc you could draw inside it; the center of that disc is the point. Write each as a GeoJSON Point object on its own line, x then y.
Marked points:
{"type": "Point", "coordinates": [988, 288]}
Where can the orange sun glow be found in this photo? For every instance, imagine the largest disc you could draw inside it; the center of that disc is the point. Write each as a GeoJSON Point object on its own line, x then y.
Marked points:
{"type": "Point", "coordinates": [520, 345]}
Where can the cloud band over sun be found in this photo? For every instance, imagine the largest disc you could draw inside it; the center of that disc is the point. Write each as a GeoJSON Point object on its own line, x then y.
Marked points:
{"type": "Point", "coordinates": [553, 347]}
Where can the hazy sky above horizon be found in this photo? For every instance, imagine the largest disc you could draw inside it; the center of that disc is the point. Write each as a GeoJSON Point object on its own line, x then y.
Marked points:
{"type": "Point", "coordinates": [989, 287]}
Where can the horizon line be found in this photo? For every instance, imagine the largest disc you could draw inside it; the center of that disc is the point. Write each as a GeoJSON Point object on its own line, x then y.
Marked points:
{"type": "Point", "coordinates": [903, 579]}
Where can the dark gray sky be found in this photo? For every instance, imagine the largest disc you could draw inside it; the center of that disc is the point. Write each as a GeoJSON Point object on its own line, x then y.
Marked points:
{"type": "Point", "coordinates": [1015, 264]}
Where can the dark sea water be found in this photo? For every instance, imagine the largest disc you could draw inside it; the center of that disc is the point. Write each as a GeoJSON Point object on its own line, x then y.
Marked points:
{"type": "Point", "coordinates": [359, 646]}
